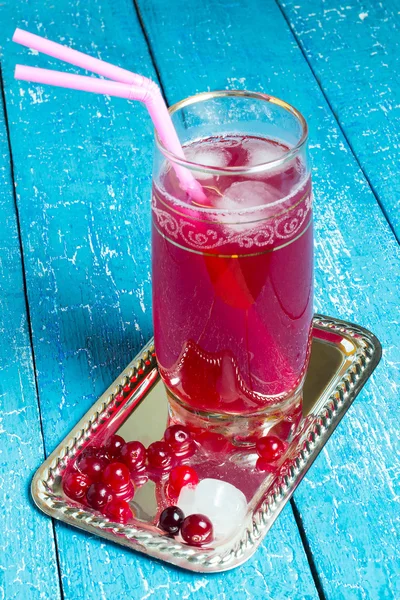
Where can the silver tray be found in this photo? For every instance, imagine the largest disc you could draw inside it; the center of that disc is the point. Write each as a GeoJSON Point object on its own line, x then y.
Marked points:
{"type": "Point", "coordinates": [343, 357]}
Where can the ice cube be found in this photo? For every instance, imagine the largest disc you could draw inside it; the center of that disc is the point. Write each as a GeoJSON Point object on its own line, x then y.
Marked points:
{"type": "Point", "coordinates": [223, 503]}
{"type": "Point", "coordinates": [247, 194]}
{"type": "Point", "coordinates": [187, 500]}
{"type": "Point", "coordinates": [208, 155]}
{"type": "Point", "coordinates": [261, 152]}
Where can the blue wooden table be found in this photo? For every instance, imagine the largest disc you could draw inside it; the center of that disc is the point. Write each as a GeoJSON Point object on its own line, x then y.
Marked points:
{"type": "Point", "coordinates": [75, 301]}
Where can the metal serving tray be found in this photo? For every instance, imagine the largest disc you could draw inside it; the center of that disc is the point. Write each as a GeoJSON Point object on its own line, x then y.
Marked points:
{"type": "Point", "coordinates": [343, 357]}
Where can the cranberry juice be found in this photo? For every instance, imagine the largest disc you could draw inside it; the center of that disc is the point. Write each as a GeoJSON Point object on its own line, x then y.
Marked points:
{"type": "Point", "coordinates": [233, 277]}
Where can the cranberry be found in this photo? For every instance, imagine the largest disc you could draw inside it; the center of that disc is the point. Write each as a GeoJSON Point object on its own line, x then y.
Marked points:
{"type": "Point", "coordinates": [178, 437]}
{"type": "Point", "coordinates": [171, 520]}
{"type": "Point", "coordinates": [133, 455]}
{"type": "Point", "coordinates": [92, 466]}
{"type": "Point", "coordinates": [118, 511]}
{"type": "Point", "coordinates": [125, 493]}
{"type": "Point", "coordinates": [88, 451]}
{"type": "Point", "coordinates": [159, 455]}
{"type": "Point", "coordinates": [180, 441]}
{"type": "Point", "coordinates": [117, 476]}
{"type": "Point", "coordinates": [113, 445]}
{"type": "Point", "coordinates": [98, 495]}
{"type": "Point", "coordinates": [181, 476]}
{"type": "Point", "coordinates": [197, 530]}
{"type": "Point", "coordinates": [75, 485]}
{"type": "Point", "coordinates": [97, 452]}
{"type": "Point", "coordinates": [102, 453]}
{"type": "Point", "coordinates": [270, 447]}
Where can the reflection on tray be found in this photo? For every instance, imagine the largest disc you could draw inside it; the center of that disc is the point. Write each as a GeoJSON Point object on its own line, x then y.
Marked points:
{"type": "Point", "coordinates": [135, 408]}
{"type": "Point", "coordinates": [149, 419]}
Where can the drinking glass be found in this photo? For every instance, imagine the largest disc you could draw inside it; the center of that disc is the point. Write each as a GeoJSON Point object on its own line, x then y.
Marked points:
{"type": "Point", "coordinates": [233, 274]}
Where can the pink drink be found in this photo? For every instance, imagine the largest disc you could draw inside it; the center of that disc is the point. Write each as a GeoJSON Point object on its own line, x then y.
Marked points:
{"type": "Point", "coordinates": [233, 282]}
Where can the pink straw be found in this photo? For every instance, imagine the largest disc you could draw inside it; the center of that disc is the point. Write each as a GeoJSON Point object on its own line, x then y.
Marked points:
{"type": "Point", "coordinates": [79, 59]}
{"type": "Point", "coordinates": [81, 82]}
{"type": "Point", "coordinates": [125, 85]}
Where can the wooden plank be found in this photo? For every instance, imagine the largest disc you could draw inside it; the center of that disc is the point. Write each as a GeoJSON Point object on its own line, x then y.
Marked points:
{"type": "Point", "coordinates": [354, 50]}
{"type": "Point", "coordinates": [349, 502]}
{"type": "Point", "coordinates": [83, 167]}
{"type": "Point", "coordinates": [28, 566]}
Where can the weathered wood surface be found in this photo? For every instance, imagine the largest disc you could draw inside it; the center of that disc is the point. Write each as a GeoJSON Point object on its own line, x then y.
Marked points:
{"type": "Point", "coordinates": [28, 566]}
{"type": "Point", "coordinates": [349, 500]}
{"type": "Point", "coordinates": [83, 166]}
{"type": "Point", "coordinates": [83, 172]}
{"type": "Point", "coordinates": [353, 48]}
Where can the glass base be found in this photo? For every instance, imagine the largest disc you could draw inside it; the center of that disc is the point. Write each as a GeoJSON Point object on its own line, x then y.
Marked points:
{"type": "Point", "coordinates": [281, 419]}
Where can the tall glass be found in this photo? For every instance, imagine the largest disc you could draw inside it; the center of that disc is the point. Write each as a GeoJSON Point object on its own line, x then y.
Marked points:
{"type": "Point", "coordinates": [233, 275]}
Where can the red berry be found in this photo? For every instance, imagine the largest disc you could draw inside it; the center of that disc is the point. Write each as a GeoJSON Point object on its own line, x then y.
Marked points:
{"type": "Point", "coordinates": [75, 485]}
{"type": "Point", "coordinates": [97, 452]}
{"type": "Point", "coordinates": [197, 530]}
{"type": "Point", "coordinates": [126, 493]}
{"type": "Point", "coordinates": [133, 455]}
{"type": "Point", "coordinates": [159, 455]}
{"type": "Point", "coordinates": [171, 520]}
{"type": "Point", "coordinates": [178, 437]}
{"type": "Point", "coordinates": [92, 466]}
{"type": "Point", "coordinates": [117, 476]}
{"type": "Point", "coordinates": [270, 447]}
{"type": "Point", "coordinates": [98, 495]}
{"type": "Point", "coordinates": [181, 476]}
{"type": "Point", "coordinates": [113, 445]}
{"type": "Point", "coordinates": [118, 511]}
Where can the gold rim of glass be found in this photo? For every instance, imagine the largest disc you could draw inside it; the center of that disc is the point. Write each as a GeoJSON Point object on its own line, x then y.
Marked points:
{"type": "Point", "coordinates": [237, 170]}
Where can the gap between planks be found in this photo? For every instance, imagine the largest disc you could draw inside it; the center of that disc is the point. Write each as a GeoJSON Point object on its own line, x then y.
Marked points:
{"type": "Point", "coordinates": [307, 550]}
{"type": "Point", "coordinates": [149, 48]}
{"type": "Point", "coordinates": [25, 292]}
{"type": "Point", "coordinates": [336, 117]}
